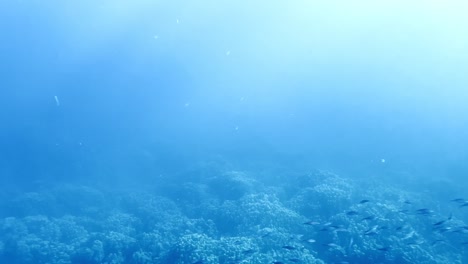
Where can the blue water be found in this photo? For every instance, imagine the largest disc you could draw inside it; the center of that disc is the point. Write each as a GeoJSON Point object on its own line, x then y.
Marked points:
{"type": "Point", "coordinates": [233, 132]}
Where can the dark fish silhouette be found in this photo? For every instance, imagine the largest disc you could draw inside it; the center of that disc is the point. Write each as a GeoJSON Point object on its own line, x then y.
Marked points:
{"type": "Point", "coordinates": [351, 213]}
{"type": "Point", "coordinates": [368, 218]}
{"type": "Point", "coordinates": [364, 201]}
{"type": "Point", "coordinates": [384, 248]}
{"type": "Point", "coordinates": [398, 228]}
{"type": "Point", "coordinates": [444, 229]}
{"type": "Point", "coordinates": [415, 243]}
{"type": "Point", "coordinates": [435, 242]}
{"type": "Point", "coordinates": [289, 247]}
{"type": "Point", "coordinates": [311, 223]}
{"type": "Point", "coordinates": [425, 211]}
{"type": "Point", "coordinates": [458, 200]}
{"type": "Point", "coordinates": [331, 245]}
{"type": "Point", "coordinates": [461, 230]}
{"type": "Point", "coordinates": [440, 223]}
{"type": "Point", "coordinates": [249, 251]}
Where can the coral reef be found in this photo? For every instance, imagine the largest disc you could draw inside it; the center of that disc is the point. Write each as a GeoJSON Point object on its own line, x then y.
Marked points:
{"type": "Point", "coordinates": [313, 218]}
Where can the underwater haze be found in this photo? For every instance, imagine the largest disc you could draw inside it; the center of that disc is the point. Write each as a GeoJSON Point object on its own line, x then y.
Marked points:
{"type": "Point", "coordinates": [205, 132]}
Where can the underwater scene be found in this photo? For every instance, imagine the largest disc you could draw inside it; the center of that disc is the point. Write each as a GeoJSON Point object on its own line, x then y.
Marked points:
{"type": "Point", "coordinates": [233, 132]}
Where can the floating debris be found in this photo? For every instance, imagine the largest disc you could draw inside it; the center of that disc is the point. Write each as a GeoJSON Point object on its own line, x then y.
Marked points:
{"type": "Point", "coordinates": [409, 235]}
{"type": "Point", "coordinates": [57, 102]}
{"type": "Point", "coordinates": [372, 230]}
